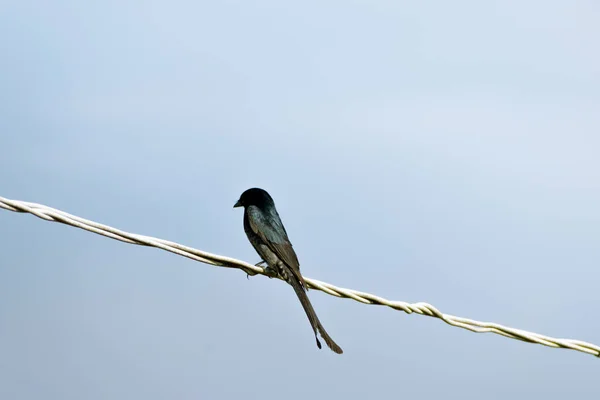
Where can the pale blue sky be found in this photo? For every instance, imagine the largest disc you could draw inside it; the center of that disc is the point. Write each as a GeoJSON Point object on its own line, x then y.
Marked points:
{"type": "Point", "coordinates": [445, 152]}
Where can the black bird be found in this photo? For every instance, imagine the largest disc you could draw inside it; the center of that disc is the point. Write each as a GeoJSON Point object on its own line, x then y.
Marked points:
{"type": "Point", "coordinates": [267, 235]}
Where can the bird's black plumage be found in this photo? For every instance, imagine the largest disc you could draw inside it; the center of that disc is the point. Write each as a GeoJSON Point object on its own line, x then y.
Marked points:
{"type": "Point", "coordinates": [267, 235]}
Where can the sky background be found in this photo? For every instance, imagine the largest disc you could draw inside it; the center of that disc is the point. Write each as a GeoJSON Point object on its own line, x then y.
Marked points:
{"type": "Point", "coordinates": [445, 152]}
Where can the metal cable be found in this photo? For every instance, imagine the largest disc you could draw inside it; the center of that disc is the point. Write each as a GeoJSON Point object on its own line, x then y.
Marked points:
{"type": "Point", "coordinates": [51, 214]}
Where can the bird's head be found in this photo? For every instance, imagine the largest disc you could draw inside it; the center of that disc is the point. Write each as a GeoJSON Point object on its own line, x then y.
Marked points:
{"type": "Point", "coordinates": [254, 197]}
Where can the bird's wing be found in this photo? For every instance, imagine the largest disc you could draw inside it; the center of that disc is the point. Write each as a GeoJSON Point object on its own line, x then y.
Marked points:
{"type": "Point", "coordinates": [271, 231]}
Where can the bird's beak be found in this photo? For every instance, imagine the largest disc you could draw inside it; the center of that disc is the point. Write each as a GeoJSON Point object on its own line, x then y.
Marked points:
{"type": "Point", "coordinates": [237, 204]}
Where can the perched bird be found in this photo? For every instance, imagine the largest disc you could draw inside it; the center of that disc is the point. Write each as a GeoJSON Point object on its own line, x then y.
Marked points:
{"type": "Point", "coordinates": [267, 235]}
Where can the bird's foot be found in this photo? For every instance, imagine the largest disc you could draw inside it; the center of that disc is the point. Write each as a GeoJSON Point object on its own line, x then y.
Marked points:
{"type": "Point", "coordinates": [258, 264]}
{"type": "Point", "coordinates": [270, 272]}
{"type": "Point", "coordinates": [252, 273]}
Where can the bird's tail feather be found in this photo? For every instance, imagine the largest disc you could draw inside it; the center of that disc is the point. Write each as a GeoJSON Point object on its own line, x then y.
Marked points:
{"type": "Point", "coordinates": [312, 315]}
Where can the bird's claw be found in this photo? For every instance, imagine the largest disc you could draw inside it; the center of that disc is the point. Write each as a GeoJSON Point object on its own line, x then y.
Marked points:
{"type": "Point", "coordinates": [249, 273]}
{"type": "Point", "coordinates": [270, 272]}
{"type": "Point", "coordinates": [252, 273]}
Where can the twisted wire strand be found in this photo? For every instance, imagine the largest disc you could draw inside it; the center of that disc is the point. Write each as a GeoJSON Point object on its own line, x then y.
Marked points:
{"type": "Point", "coordinates": [51, 214]}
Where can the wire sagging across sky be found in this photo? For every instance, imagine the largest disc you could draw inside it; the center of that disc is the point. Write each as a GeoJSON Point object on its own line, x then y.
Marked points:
{"type": "Point", "coordinates": [54, 215]}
